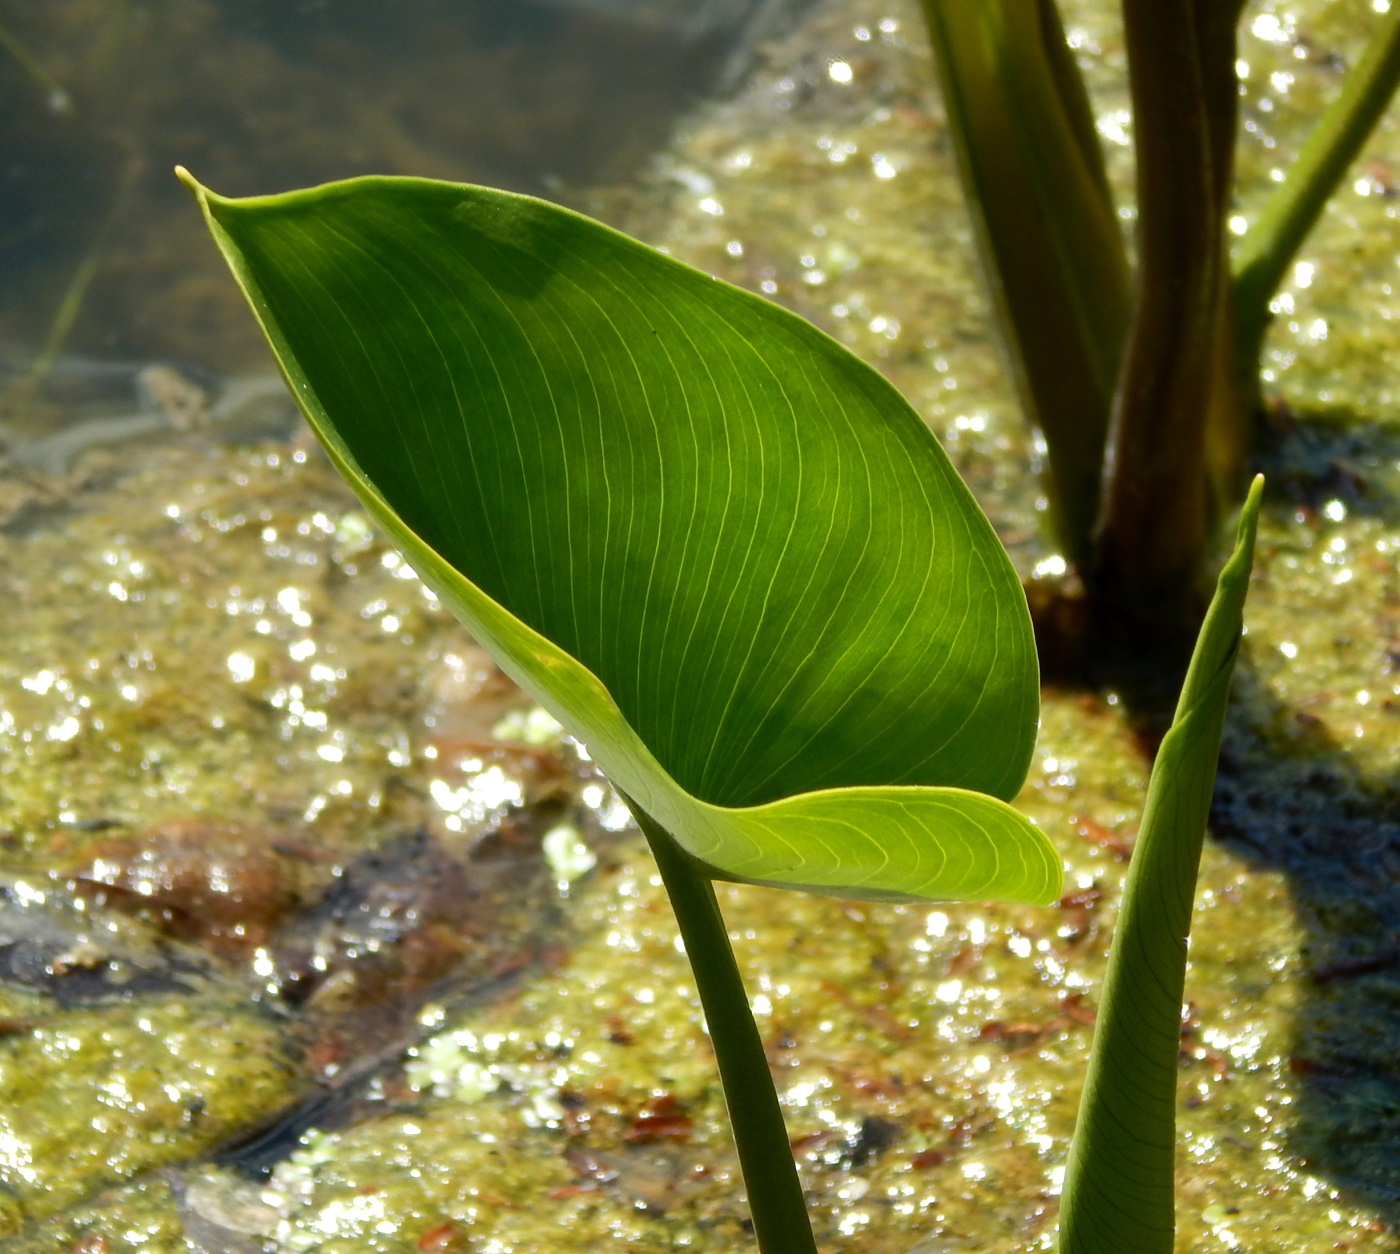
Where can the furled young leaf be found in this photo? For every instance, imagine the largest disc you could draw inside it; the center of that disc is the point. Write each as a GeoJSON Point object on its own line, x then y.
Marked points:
{"type": "Point", "coordinates": [717, 547]}
{"type": "Point", "coordinates": [1118, 1186]}
{"type": "Point", "coordinates": [1047, 231]}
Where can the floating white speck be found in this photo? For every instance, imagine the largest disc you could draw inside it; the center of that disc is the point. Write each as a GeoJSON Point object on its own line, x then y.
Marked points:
{"type": "Point", "coordinates": [1114, 127]}
{"type": "Point", "coordinates": [39, 683]}
{"type": "Point", "coordinates": [568, 857]}
{"type": "Point", "coordinates": [840, 72]}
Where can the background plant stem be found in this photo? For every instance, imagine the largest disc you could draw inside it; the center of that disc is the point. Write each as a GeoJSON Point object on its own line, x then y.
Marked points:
{"type": "Point", "coordinates": [776, 1203]}
{"type": "Point", "coordinates": [1154, 520]}
{"type": "Point", "coordinates": [1047, 232]}
{"type": "Point", "coordinates": [1290, 213]}
{"type": "Point", "coordinates": [58, 98]}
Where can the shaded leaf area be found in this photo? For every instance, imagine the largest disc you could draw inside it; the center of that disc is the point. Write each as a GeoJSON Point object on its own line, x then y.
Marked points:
{"type": "Point", "coordinates": [717, 546]}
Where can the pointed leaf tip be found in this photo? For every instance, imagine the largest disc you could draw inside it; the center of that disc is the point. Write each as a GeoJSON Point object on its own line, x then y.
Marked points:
{"type": "Point", "coordinates": [1249, 513]}
{"type": "Point", "coordinates": [195, 186]}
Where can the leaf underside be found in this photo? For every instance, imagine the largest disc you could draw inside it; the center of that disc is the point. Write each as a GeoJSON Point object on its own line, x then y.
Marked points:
{"type": "Point", "coordinates": [721, 550]}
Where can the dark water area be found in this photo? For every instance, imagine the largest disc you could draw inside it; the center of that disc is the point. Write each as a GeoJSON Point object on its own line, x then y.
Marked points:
{"type": "Point", "coordinates": [100, 253]}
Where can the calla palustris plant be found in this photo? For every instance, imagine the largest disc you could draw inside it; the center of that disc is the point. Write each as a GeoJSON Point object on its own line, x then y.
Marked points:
{"type": "Point", "coordinates": [718, 548]}
{"type": "Point", "coordinates": [729, 557]}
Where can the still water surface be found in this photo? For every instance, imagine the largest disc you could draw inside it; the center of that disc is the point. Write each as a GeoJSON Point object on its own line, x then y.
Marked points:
{"type": "Point", "coordinates": [100, 98]}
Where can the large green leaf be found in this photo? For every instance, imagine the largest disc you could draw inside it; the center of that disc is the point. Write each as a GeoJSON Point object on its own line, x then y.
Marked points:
{"type": "Point", "coordinates": [1118, 1184]}
{"type": "Point", "coordinates": [717, 547]}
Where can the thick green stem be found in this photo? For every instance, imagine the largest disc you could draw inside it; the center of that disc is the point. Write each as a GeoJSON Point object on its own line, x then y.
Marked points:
{"type": "Point", "coordinates": [1289, 215]}
{"type": "Point", "coordinates": [776, 1204]}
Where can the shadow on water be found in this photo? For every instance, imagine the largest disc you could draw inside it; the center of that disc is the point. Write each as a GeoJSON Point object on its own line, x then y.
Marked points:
{"type": "Point", "coordinates": [1290, 797]}
{"type": "Point", "coordinates": [1305, 811]}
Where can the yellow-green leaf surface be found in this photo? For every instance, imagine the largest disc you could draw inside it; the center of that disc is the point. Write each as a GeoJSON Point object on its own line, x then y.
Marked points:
{"type": "Point", "coordinates": [1118, 1190]}
{"type": "Point", "coordinates": [718, 548]}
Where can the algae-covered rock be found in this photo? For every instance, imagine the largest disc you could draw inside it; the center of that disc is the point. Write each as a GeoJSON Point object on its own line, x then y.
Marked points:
{"type": "Point", "coordinates": [103, 1094]}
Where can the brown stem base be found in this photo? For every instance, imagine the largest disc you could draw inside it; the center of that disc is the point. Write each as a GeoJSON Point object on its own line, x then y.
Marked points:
{"type": "Point", "coordinates": [1089, 639]}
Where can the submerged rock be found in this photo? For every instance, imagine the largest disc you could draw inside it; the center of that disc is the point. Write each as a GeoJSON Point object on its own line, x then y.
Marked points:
{"type": "Point", "coordinates": [51, 944]}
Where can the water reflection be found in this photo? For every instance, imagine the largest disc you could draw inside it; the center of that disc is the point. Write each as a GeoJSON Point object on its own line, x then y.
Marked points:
{"type": "Point", "coordinates": [99, 251]}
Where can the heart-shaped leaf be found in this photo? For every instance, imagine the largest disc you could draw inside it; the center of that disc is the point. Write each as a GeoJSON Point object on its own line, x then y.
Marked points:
{"type": "Point", "coordinates": [719, 549]}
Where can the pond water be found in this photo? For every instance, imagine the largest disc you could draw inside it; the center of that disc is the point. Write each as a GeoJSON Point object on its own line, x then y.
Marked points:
{"type": "Point", "coordinates": [313, 936]}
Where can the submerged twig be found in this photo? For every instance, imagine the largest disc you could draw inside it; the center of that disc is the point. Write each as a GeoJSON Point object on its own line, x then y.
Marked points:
{"type": "Point", "coordinates": [24, 390]}
{"type": "Point", "coordinates": [58, 98]}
